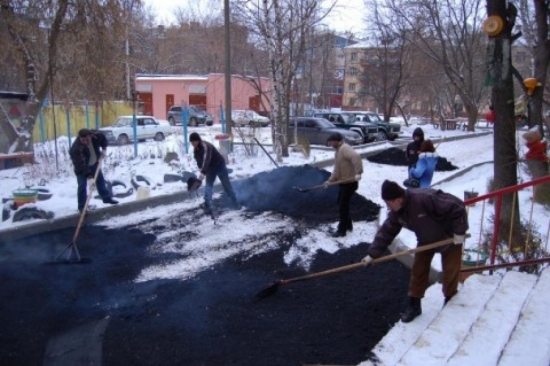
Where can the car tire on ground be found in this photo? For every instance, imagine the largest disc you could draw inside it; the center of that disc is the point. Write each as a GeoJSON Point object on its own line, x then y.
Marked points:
{"type": "Point", "coordinates": [193, 122]}
{"type": "Point", "coordinates": [27, 213]}
{"type": "Point", "coordinates": [43, 193]}
{"type": "Point", "coordinates": [159, 136]}
{"type": "Point", "coordinates": [171, 121]}
{"type": "Point", "coordinates": [122, 139]}
{"type": "Point", "coordinates": [381, 136]}
{"type": "Point", "coordinates": [6, 209]}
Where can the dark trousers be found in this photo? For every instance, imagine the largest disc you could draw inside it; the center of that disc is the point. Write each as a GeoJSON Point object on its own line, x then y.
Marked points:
{"type": "Point", "coordinates": [82, 192]}
{"type": "Point", "coordinates": [451, 260]}
{"type": "Point", "coordinates": [344, 197]}
{"type": "Point", "coordinates": [221, 173]}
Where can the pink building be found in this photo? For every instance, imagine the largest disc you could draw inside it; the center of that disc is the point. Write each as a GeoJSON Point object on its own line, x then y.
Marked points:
{"type": "Point", "coordinates": [159, 92]}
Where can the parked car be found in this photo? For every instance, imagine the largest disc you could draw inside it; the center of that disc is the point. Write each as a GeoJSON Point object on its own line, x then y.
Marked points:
{"type": "Point", "coordinates": [248, 117]}
{"type": "Point", "coordinates": [147, 127]}
{"type": "Point", "coordinates": [195, 116]}
{"type": "Point", "coordinates": [318, 130]}
{"type": "Point", "coordinates": [368, 130]}
{"type": "Point", "coordinates": [386, 130]}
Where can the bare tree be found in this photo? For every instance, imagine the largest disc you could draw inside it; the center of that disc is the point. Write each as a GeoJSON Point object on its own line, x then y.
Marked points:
{"type": "Point", "coordinates": [282, 26]}
{"type": "Point", "coordinates": [74, 42]}
{"type": "Point", "coordinates": [448, 32]}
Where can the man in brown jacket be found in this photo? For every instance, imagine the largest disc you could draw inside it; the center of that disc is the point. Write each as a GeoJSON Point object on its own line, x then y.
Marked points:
{"type": "Point", "coordinates": [348, 167]}
{"type": "Point", "coordinates": [432, 215]}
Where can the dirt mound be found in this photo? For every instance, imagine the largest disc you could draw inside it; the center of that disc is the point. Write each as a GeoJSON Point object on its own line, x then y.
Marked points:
{"type": "Point", "coordinates": [276, 191]}
{"type": "Point", "coordinates": [395, 156]}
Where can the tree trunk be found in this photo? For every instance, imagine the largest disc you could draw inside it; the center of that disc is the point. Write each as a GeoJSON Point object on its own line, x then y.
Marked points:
{"type": "Point", "coordinates": [505, 156]}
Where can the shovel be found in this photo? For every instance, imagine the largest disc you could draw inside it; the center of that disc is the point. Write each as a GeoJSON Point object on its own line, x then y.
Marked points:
{"type": "Point", "coordinates": [73, 255]}
{"type": "Point", "coordinates": [303, 190]}
{"type": "Point", "coordinates": [271, 289]}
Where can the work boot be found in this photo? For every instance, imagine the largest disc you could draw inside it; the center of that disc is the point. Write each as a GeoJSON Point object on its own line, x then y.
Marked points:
{"type": "Point", "coordinates": [447, 299]}
{"type": "Point", "coordinates": [110, 200]}
{"type": "Point", "coordinates": [339, 234]}
{"type": "Point", "coordinates": [413, 310]}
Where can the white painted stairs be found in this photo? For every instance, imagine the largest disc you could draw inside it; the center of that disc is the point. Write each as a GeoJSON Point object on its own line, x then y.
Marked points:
{"type": "Point", "coordinates": [499, 319]}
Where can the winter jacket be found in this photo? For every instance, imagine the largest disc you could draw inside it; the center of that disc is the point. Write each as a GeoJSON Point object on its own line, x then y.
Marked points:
{"type": "Point", "coordinates": [80, 153]}
{"type": "Point", "coordinates": [414, 147]}
{"type": "Point", "coordinates": [347, 163]}
{"type": "Point", "coordinates": [424, 169]}
{"type": "Point", "coordinates": [432, 215]}
{"type": "Point", "coordinates": [208, 158]}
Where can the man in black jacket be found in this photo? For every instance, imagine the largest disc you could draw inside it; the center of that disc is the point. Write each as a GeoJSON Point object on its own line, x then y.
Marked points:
{"type": "Point", "coordinates": [432, 215]}
{"type": "Point", "coordinates": [211, 165]}
{"type": "Point", "coordinates": [85, 154]}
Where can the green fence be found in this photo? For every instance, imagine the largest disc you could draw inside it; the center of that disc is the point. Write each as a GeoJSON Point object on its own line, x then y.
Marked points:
{"type": "Point", "coordinates": [70, 120]}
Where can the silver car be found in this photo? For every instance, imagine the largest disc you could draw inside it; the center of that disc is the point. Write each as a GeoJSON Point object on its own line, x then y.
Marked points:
{"type": "Point", "coordinates": [318, 130]}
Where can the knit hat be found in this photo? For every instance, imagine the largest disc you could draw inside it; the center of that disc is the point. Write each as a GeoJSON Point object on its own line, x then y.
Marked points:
{"type": "Point", "coordinates": [391, 190]}
{"type": "Point", "coordinates": [194, 137]}
{"type": "Point", "coordinates": [84, 132]}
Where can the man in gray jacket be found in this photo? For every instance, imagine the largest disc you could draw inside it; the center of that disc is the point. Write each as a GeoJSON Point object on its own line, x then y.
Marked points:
{"type": "Point", "coordinates": [348, 167]}
{"type": "Point", "coordinates": [432, 215]}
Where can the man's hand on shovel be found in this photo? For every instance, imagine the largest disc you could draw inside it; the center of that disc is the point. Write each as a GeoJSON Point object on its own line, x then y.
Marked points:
{"type": "Point", "coordinates": [366, 261]}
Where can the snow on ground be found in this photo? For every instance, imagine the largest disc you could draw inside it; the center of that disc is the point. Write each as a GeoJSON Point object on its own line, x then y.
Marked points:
{"type": "Point", "coordinates": [228, 228]}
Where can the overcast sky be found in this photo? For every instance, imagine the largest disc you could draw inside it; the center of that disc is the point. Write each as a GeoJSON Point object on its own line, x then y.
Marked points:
{"type": "Point", "coordinates": [348, 15]}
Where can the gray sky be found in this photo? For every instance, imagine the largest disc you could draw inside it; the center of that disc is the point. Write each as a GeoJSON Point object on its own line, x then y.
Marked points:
{"type": "Point", "coordinates": [347, 15]}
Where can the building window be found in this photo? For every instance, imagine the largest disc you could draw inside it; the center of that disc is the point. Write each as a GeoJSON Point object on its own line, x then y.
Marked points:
{"type": "Point", "coordinates": [354, 56]}
{"type": "Point", "coordinates": [351, 87]}
{"type": "Point", "coordinates": [353, 71]}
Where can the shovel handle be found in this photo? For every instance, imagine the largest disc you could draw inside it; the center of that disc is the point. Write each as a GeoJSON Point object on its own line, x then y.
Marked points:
{"type": "Point", "coordinates": [322, 185]}
{"type": "Point", "coordinates": [374, 261]}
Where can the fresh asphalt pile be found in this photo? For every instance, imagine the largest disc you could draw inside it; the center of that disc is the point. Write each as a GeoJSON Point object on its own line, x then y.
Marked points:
{"type": "Point", "coordinates": [99, 313]}
{"type": "Point", "coordinates": [396, 156]}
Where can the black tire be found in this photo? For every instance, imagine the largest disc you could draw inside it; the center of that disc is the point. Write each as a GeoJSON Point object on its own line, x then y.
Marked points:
{"type": "Point", "coordinates": [122, 139]}
{"type": "Point", "coordinates": [43, 193]}
{"type": "Point", "coordinates": [170, 178]}
{"type": "Point", "coordinates": [171, 121]}
{"type": "Point", "coordinates": [27, 213]}
{"type": "Point", "coordinates": [140, 178]}
{"type": "Point", "coordinates": [6, 210]}
{"type": "Point", "coordinates": [124, 194]}
{"type": "Point", "coordinates": [193, 122]}
{"type": "Point", "coordinates": [159, 136]}
{"type": "Point", "coordinates": [381, 136]}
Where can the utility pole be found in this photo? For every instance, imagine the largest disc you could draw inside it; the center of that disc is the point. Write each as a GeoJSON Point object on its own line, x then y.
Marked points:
{"type": "Point", "coordinates": [227, 67]}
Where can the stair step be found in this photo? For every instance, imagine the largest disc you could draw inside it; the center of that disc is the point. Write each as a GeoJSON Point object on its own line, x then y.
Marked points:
{"type": "Point", "coordinates": [402, 336]}
{"type": "Point", "coordinates": [491, 331]}
{"type": "Point", "coordinates": [528, 344]}
{"type": "Point", "coordinates": [452, 324]}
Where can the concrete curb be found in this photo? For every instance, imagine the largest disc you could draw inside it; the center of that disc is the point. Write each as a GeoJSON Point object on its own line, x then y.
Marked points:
{"type": "Point", "coordinates": [126, 208]}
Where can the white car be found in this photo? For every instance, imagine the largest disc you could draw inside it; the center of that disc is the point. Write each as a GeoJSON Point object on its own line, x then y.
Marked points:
{"type": "Point", "coordinates": [247, 117]}
{"type": "Point", "coordinates": [147, 127]}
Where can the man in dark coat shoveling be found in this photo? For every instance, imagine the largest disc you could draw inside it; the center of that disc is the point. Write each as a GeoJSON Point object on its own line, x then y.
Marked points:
{"type": "Point", "coordinates": [432, 215]}
{"type": "Point", "coordinates": [85, 153]}
{"type": "Point", "coordinates": [211, 165]}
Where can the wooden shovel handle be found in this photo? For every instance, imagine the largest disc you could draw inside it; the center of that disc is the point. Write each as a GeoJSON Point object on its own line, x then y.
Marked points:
{"type": "Point", "coordinates": [374, 261]}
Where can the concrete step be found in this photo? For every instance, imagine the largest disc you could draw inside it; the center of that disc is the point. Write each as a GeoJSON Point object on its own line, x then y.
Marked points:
{"type": "Point", "coordinates": [491, 331]}
{"type": "Point", "coordinates": [530, 341]}
{"type": "Point", "coordinates": [452, 325]}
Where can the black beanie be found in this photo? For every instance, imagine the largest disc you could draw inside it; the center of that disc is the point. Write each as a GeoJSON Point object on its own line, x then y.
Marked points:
{"type": "Point", "coordinates": [194, 137]}
{"type": "Point", "coordinates": [391, 190]}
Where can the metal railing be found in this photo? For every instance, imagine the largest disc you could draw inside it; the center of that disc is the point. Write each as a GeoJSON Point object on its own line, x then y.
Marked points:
{"type": "Point", "coordinates": [488, 252]}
